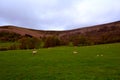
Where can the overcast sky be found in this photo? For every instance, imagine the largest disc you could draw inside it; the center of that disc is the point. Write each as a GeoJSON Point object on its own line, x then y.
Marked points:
{"type": "Point", "coordinates": [58, 14]}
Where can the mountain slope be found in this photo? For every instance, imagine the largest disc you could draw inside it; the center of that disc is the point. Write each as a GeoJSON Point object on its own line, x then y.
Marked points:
{"type": "Point", "coordinates": [105, 33]}
{"type": "Point", "coordinates": [96, 32]}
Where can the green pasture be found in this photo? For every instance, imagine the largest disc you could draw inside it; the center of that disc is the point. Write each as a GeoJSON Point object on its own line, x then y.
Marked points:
{"type": "Point", "coordinates": [5, 44]}
{"type": "Point", "coordinates": [99, 62]}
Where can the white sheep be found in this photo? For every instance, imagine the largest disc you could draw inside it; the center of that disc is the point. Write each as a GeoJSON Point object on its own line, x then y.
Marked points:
{"type": "Point", "coordinates": [34, 52]}
{"type": "Point", "coordinates": [98, 55]}
{"type": "Point", "coordinates": [75, 52]}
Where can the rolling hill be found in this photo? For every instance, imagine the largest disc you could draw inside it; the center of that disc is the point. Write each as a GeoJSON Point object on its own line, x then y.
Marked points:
{"type": "Point", "coordinates": [98, 34]}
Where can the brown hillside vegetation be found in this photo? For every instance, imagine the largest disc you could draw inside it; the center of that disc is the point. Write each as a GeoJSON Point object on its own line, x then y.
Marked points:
{"type": "Point", "coordinates": [99, 34]}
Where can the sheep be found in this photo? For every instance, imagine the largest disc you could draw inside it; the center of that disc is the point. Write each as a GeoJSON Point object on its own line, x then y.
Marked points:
{"type": "Point", "coordinates": [99, 55]}
{"type": "Point", "coordinates": [34, 52]}
{"type": "Point", "coordinates": [75, 52]}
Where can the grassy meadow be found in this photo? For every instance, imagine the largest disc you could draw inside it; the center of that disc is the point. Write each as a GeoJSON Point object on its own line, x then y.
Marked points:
{"type": "Point", "coordinates": [6, 44]}
{"type": "Point", "coordinates": [99, 62]}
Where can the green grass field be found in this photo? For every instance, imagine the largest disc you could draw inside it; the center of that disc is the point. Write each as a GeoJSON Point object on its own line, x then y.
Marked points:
{"type": "Point", "coordinates": [60, 63]}
{"type": "Point", "coordinates": [5, 44]}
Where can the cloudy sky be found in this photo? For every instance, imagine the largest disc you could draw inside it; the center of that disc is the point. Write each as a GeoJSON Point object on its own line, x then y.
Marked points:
{"type": "Point", "coordinates": [58, 14]}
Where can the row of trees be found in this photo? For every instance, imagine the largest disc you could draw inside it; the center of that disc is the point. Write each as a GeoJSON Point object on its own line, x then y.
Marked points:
{"type": "Point", "coordinates": [52, 41]}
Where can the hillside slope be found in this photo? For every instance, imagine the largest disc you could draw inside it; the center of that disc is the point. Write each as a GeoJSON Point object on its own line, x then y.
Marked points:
{"type": "Point", "coordinates": [98, 32]}
{"type": "Point", "coordinates": [105, 33]}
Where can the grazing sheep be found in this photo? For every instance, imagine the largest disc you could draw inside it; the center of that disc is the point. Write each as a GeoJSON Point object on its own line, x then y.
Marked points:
{"type": "Point", "coordinates": [98, 55]}
{"type": "Point", "coordinates": [34, 52]}
{"type": "Point", "coordinates": [75, 52]}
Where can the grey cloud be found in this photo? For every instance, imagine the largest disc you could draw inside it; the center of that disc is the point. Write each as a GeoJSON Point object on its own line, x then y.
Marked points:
{"type": "Point", "coordinates": [58, 14]}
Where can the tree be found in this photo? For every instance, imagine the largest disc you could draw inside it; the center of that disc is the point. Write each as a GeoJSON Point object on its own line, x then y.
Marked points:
{"type": "Point", "coordinates": [78, 40]}
{"type": "Point", "coordinates": [51, 41]}
{"type": "Point", "coordinates": [28, 43]}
